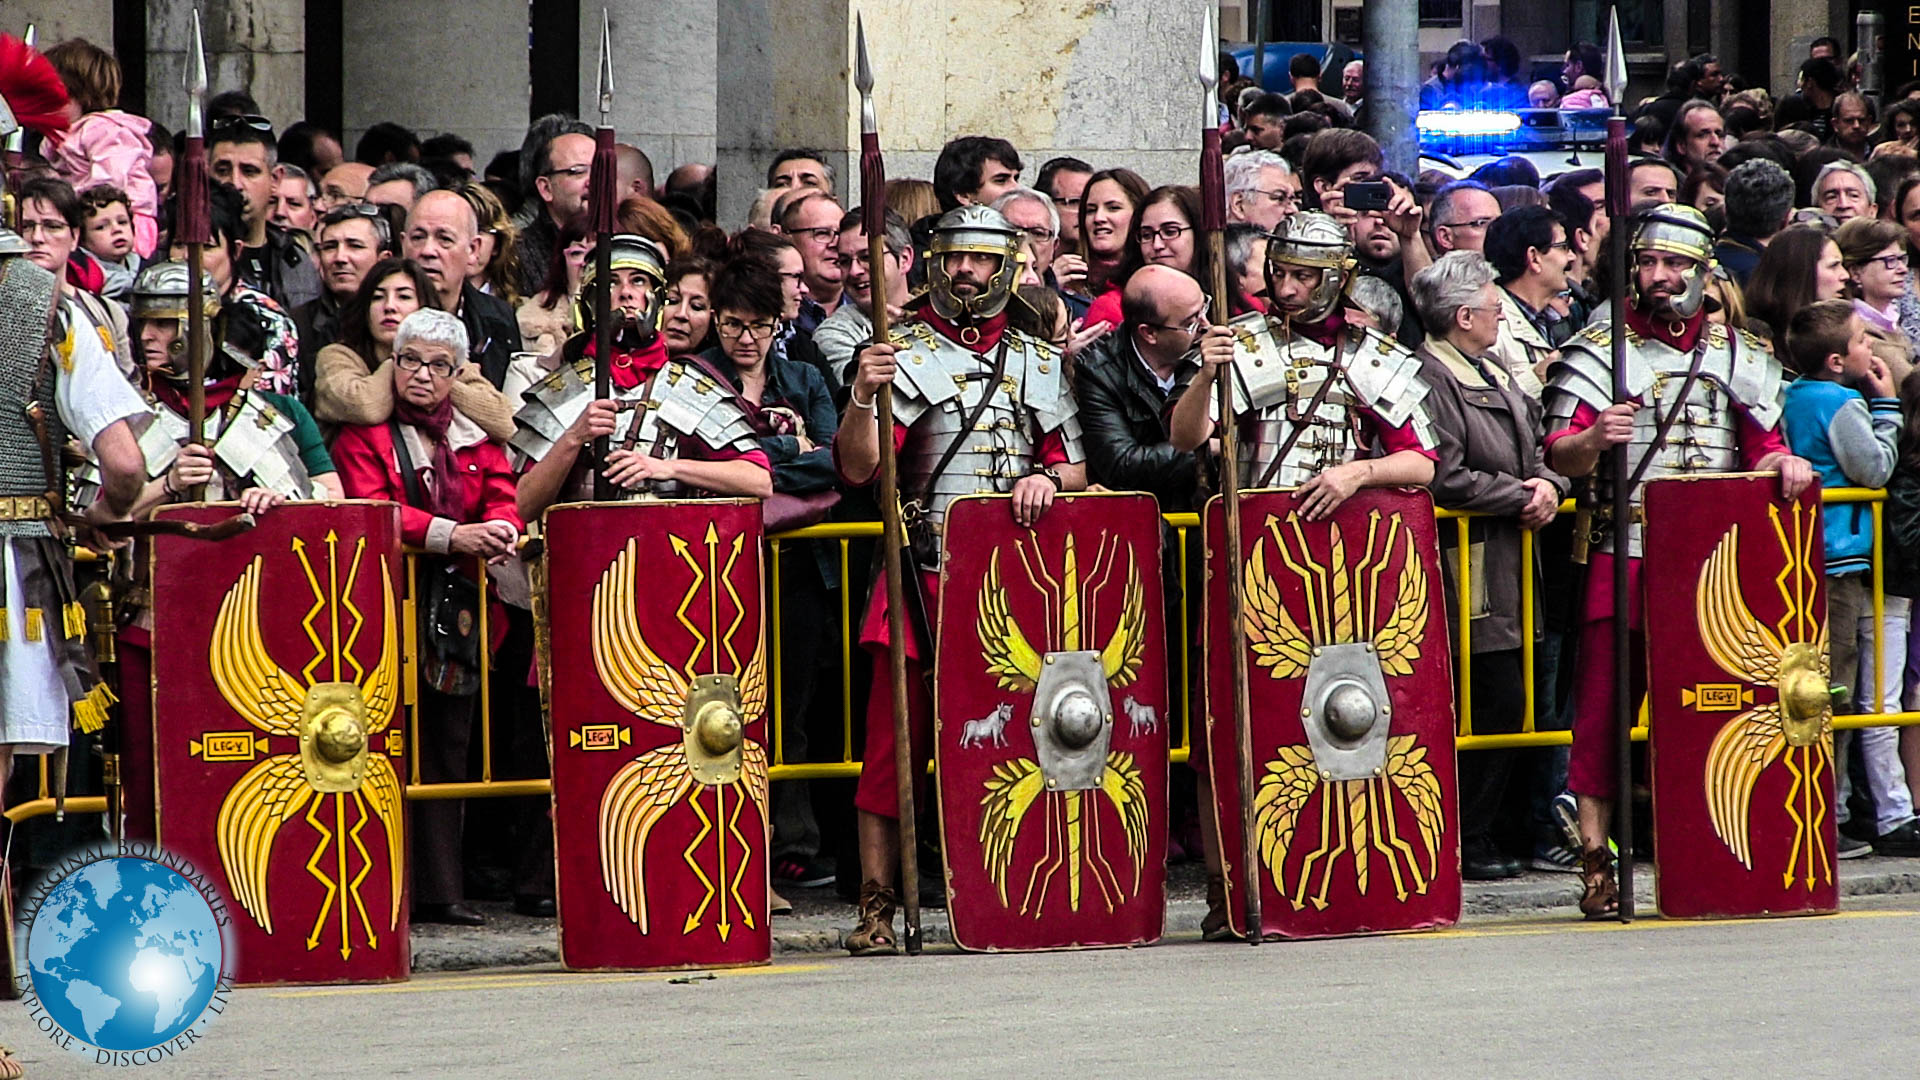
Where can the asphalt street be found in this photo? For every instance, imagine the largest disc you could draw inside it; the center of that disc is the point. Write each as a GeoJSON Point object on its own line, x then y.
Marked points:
{"type": "Point", "coordinates": [1498, 997]}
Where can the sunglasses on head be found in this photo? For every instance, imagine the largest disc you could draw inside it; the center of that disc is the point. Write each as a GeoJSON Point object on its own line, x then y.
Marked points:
{"type": "Point", "coordinates": [244, 120]}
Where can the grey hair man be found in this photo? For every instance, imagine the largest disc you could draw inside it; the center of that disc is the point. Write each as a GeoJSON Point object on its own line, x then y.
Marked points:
{"type": "Point", "coordinates": [292, 205]}
{"type": "Point", "coordinates": [850, 325]}
{"type": "Point", "coordinates": [1759, 200]}
{"type": "Point", "coordinates": [1033, 213]}
{"type": "Point", "coordinates": [399, 183]}
{"type": "Point", "coordinates": [1844, 190]}
{"type": "Point", "coordinates": [1262, 189]}
{"type": "Point", "coordinates": [1379, 306]}
{"type": "Point", "coordinates": [1247, 260]}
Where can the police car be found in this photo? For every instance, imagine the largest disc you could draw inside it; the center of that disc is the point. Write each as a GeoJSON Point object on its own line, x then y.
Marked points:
{"type": "Point", "coordinates": [1458, 141]}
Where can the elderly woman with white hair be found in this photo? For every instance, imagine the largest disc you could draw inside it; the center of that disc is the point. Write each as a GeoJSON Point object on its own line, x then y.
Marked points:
{"type": "Point", "coordinates": [456, 494]}
{"type": "Point", "coordinates": [1491, 463]}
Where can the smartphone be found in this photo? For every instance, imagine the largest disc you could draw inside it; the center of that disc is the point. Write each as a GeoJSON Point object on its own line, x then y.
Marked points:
{"type": "Point", "coordinates": [1368, 195]}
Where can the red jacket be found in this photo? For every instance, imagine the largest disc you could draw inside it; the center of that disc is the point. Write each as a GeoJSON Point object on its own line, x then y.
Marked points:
{"type": "Point", "coordinates": [363, 454]}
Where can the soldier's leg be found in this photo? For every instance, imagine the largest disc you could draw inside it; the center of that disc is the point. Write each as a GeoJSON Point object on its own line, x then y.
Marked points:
{"type": "Point", "coordinates": [877, 799]}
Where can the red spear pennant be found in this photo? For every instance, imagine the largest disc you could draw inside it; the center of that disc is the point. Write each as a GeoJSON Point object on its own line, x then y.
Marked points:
{"type": "Point", "coordinates": [873, 195]}
{"type": "Point", "coordinates": [1213, 221]}
{"type": "Point", "coordinates": [601, 200]}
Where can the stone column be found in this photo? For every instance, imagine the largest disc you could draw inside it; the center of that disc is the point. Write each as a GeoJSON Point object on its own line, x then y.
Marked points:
{"type": "Point", "coordinates": [1795, 24]}
{"type": "Point", "coordinates": [663, 74]}
{"type": "Point", "coordinates": [254, 45]}
{"type": "Point", "coordinates": [58, 20]}
{"type": "Point", "coordinates": [424, 67]}
{"type": "Point", "coordinates": [1112, 84]}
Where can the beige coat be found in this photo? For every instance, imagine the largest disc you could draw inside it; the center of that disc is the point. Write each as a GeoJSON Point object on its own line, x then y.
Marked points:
{"type": "Point", "coordinates": [345, 392]}
{"type": "Point", "coordinates": [1521, 350]}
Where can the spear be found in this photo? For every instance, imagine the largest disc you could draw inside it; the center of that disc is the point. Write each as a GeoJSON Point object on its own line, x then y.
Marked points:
{"type": "Point", "coordinates": [1617, 209]}
{"type": "Point", "coordinates": [601, 198]}
{"type": "Point", "coordinates": [1213, 221]}
{"type": "Point", "coordinates": [16, 152]}
{"type": "Point", "coordinates": [873, 197]}
{"type": "Point", "coordinates": [193, 226]}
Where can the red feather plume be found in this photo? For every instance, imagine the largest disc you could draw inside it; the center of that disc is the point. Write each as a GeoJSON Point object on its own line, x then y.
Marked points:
{"type": "Point", "coordinates": [31, 87]}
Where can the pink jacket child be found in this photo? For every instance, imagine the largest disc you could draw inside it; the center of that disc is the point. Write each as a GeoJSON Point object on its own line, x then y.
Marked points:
{"type": "Point", "coordinates": [111, 147]}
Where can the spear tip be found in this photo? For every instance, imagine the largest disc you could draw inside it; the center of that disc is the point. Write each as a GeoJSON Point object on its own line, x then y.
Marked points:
{"type": "Point", "coordinates": [863, 69]}
{"type": "Point", "coordinates": [606, 65]}
{"type": "Point", "coordinates": [1616, 59]}
{"type": "Point", "coordinates": [1209, 50]}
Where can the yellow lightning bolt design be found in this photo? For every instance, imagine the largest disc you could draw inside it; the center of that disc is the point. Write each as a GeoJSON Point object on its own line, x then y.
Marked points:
{"type": "Point", "coordinates": [332, 887]}
{"type": "Point", "coordinates": [359, 620]}
{"type": "Point", "coordinates": [681, 548]}
{"type": "Point", "coordinates": [319, 605]}
{"type": "Point", "coordinates": [740, 868]}
{"type": "Point", "coordinates": [739, 609]}
{"type": "Point", "coordinates": [706, 826]}
{"type": "Point", "coordinates": [366, 867]}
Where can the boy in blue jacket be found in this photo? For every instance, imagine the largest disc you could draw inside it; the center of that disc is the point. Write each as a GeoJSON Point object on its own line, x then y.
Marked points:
{"type": "Point", "coordinates": [1843, 417]}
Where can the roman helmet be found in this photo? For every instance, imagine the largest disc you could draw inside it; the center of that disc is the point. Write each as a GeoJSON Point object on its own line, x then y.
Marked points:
{"type": "Point", "coordinates": [1314, 239]}
{"type": "Point", "coordinates": [1677, 229]}
{"type": "Point", "coordinates": [630, 252]}
{"type": "Point", "coordinates": [979, 229]}
{"type": "Point", "coordinates": [160, 294]}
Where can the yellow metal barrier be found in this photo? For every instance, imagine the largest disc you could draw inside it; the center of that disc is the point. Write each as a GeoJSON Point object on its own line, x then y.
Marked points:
{"type": "Point", "coordinates": [852, 592]}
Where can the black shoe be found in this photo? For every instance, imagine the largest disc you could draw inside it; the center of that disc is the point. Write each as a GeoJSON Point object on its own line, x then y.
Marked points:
{"type": "Point", "coordinates": [1859, 827]}
{"type": "Point", "coordinates": [537, 907]}
{"type": "Point", "coordinates": [1487, 864]}
{"type": "Point", "coordinates": [448, 914]}
{"type": "Point", "coordinates": [1903, 842]}
{"type": "Point", "coordinates": [805, 873]}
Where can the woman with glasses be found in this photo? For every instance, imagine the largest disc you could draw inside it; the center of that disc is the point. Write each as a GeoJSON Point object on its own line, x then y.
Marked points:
{"type": "Point", "coordinates": [1165, 232]}
{"type": "Point", "coordinates": [1488, 434]}
{"type": "Point", "coordinates": [456, 494]}
{"type": "Point", "coordinates": [1874, 254]}
{"type": "Point", "coordinates": [353, 380]}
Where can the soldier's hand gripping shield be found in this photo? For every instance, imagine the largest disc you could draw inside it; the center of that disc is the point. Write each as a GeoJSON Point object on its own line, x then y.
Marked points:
{"type": "Point", "coordinates": [1740, 717]}
{"type": "Point", "coordinates": [1351, 702]}
{"type": "Point", "coordinates": [1052, 701]}
{"type": "Point", "coordinates": [654, 667]}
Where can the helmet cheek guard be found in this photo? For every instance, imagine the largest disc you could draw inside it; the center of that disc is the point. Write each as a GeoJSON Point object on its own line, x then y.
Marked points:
{"type": "Point", "coordinates": [978, 230]}
{"type": "Point", "coordinates": [1313, 239]}
{"type": "Point", "coordinates": [630, 252]}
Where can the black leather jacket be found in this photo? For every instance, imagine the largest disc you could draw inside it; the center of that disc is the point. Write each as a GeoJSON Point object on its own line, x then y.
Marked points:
{"type": "Point", "coordinates": [1123, 418]}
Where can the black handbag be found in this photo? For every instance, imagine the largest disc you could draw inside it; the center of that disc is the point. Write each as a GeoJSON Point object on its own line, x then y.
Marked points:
{"type": "Point", "coordinates": [450, 605]}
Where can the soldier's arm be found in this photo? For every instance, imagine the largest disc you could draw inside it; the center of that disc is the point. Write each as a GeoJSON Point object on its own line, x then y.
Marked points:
{"type": "Point", "coordinates": [856, 446]}
{"type": "Point", "coordinates": [741, 476]}
{"type": "Point", "coordinates": [123, 468]}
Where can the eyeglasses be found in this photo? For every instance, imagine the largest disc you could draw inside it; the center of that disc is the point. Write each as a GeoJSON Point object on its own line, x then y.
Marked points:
{"type": "Point", "coordinates": [571, 170]}
{"type": "Point", "coordinates": [1495, 309]}
{"type": "Point", "coordinates": [1279, 198]}
{"type": "Point", "coordinates": [1477, 223]}
{"type": "Point", "coordinates": [1890, 262]}
{"type": "Point", "coordinates": [823, 235]}
{"type": "Point", "coordinates": [734, 328]}
{"type": "Point", "coordinates": [1168, 232]}
{"type": "Point", "coordinates": [1564, 245]}
{"type": "Point", "coordinates": [1196, 325]}
{"type": "Point", "coordinates": [1040, 235]}
{"type": "Point", "coordinates": [45, 227]}
{"type": "Point", "coordinates": [412, 361]}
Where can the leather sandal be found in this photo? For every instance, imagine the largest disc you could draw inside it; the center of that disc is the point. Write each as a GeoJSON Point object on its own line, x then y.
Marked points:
{"type": "Point", "coordinates": [10, 1067]}
{"type": "Point", "coordinates": [1602, 897]}
{"type": "Point", "coordinates": [874, 935]}
{"type": "Point", "coordinates": [1215, 926]}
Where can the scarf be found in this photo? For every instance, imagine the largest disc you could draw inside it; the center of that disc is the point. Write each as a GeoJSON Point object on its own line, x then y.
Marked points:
{"type": "Point", "coordinates": [633, 366]}
{"type": "Point", "coordinates": [447, 488]}
{"type": "Point", "coordinates": [990, 330]}
{"type": "Point", "coordinates": [219, 393]}
{"type": "Point", "coordinates": [1662, 330]}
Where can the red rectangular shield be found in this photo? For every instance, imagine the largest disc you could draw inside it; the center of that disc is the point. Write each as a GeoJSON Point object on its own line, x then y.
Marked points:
{"type": "Point", "coordinates": [1349, 675]}
{"type": "Point", "coordinates": [1740, 722]}
{"type": "Point", "coordinates": [654, 660]}
{"type": "Point", "coordinates": [1052, 701]}
{"type": "Point", "coordinates": [278, 748]}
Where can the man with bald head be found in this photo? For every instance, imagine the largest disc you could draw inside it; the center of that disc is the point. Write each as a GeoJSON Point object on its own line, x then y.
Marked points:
{"type": "Point", "coordinates": [344, 185]}
{"type": "Point", "coordinates": [633, 171]}
{"type": "Point", "coordinates": [443, 236]}
{"type": "Point", "coordinates": [1125, 378]}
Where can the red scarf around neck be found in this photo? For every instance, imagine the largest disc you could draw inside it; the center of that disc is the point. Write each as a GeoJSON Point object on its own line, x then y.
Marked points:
{"type": "Point", "coordinates": [632, 367]}
{"type": "Point", "coordinates": [1682, 334]}
{"type": "Point", "coordinates": [448, 497]}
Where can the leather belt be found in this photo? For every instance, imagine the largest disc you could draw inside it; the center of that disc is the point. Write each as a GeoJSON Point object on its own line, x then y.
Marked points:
{"type": "Point", "coordinates": [25, 508]}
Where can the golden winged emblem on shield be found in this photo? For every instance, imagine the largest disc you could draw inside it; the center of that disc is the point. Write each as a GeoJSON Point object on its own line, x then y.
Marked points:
{"type": "Point", "coordinates": [334, 721]}
{"type": "Point", "coordinates": [1073, 828]}
{"type": "Point", "coordinates": [1344, 605]}
{"type": "Point", "coordinates": [1797, 727]}
{"type": "Point", "coordinates": [710, 713]}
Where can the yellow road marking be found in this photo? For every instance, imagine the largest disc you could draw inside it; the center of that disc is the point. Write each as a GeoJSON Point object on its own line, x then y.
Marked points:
{"type": "Point", "coordinates": [454, 980]}
{"type": "Point", "coordinates": [1533, 927]}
